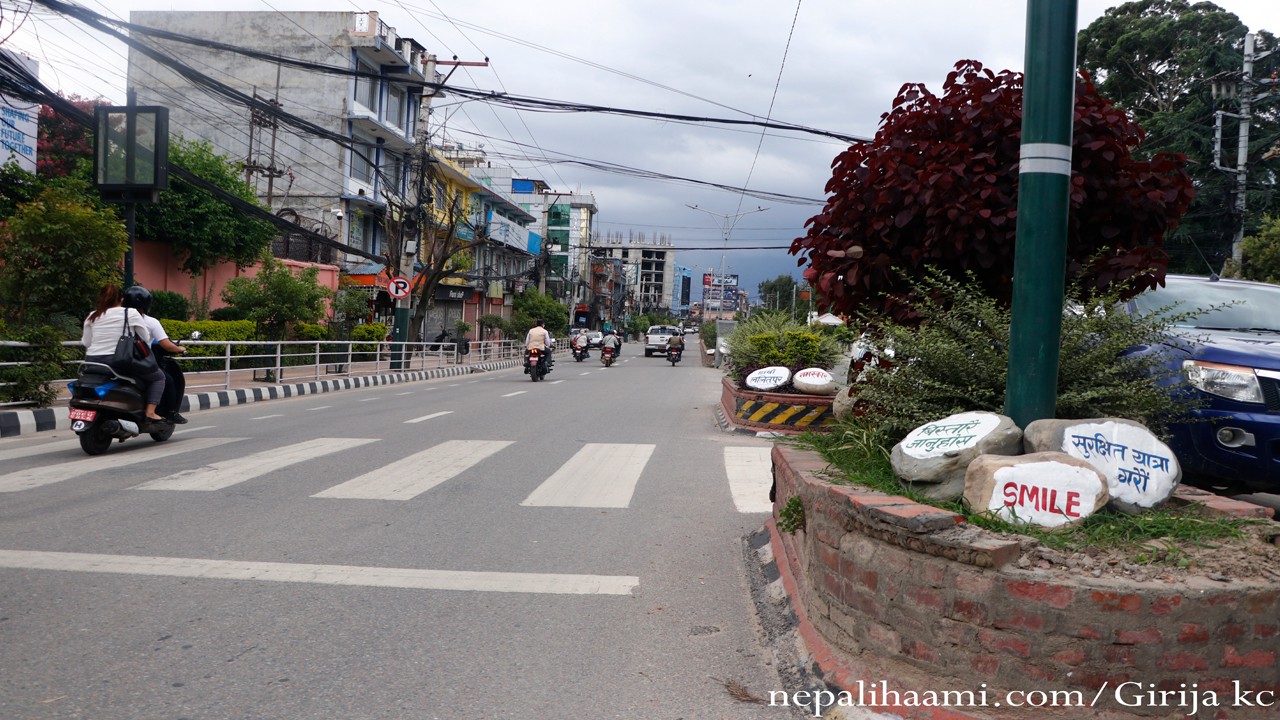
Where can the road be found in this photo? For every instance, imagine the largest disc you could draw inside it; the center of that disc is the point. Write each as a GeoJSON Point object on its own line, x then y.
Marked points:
{"type": "Point", "coordinates": [478, 547]}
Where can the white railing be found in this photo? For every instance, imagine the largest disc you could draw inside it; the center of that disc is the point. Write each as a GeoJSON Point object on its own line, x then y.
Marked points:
{"type": "Point", "coordinates": [242, 363]}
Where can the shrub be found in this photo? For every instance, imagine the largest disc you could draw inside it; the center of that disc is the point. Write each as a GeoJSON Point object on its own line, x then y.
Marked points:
{"type": "Point", "coordinates": [310, 331]}
{"type": "Point", "coordinates": [45, 363]}
{"type": "Point", "coordinates": [228, 314]}
{"type": "Point", "coordinates": [957, 360]}
{"type": "Point", "coordinates": [373, 332]}
{"type": "Point", "coordinates": [775, 339]}
{"type": "Point", "coordinates": [166, 305]}
{"type": "Point", "coordinates": [231, 330]}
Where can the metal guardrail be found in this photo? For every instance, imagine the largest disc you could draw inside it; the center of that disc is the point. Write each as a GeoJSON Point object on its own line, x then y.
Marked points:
{"type": "Point", "coordinates": [300, 360]}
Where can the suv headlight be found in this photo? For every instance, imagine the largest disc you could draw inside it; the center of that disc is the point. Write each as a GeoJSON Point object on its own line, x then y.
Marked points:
{"type": "Point", "coordinates": [1232, 382]}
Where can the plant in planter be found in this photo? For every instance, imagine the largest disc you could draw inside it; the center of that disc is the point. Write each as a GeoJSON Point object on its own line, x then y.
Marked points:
{"type": "Point", "coordinates": [774, 339]}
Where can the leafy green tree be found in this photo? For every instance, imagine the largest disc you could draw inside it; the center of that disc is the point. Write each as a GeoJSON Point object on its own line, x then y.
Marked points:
{"type": "Point", "coordinates": [275, 298]}
{"type": "Point", "coordinates": [349, 307]}
{"type": "Point", "coordinates": [1155, 59]}
{"type": "Point", "coordinates": [202, 230]}
{"type": "Point", "coordinates": [779, 293]}
{"type": "Point", "coordinates": [1262, 253]}
{"type": "Point", "coordinates": [17, 186]}
{"type": "Point", "coordinates": [532, 305]}
{"type": "Point", "coordinates": [56, 253]}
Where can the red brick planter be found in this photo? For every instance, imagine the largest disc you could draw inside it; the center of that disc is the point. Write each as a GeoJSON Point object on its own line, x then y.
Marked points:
{"type": "Point", "coordinates": [890, 590]}
{"type": "Point", "coordinates": [774, 411]}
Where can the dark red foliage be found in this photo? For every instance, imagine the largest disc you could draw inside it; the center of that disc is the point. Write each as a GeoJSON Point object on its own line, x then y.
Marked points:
{"type": "Point", "coordinates": [63, 142]}
{"type": "Point", "coordinates": [938, 186]}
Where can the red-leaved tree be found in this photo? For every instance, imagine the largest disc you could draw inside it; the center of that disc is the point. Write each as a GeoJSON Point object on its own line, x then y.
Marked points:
{"type": "Point", "coordinates": [64, 143]}
{"type": "Point", "coordinates": [938, 187]}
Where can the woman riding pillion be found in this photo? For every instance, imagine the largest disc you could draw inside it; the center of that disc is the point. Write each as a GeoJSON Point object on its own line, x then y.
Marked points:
{"type": "Point", "coordinates": [102, 330]}
{"type": "Point", "coordinates": [139, 298]}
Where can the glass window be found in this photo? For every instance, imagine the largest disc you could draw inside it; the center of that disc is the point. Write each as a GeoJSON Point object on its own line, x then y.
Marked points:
{"type": "Point", "coordinates": [395, 106]}
{"type": "Point", "coordinates": [558, 215]}
{"type": "Point", "coordinates": [367, 88]}
{"type": "Point", "coordinates": [361, 167]}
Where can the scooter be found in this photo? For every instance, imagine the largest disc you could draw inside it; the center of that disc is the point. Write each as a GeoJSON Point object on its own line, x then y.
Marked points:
{"type": "Point", "coordinates": [607, 355]}
{"type": "Point", "coordinates": [580, 353]}
{"type": "Point", "coordinates": [106, 406]}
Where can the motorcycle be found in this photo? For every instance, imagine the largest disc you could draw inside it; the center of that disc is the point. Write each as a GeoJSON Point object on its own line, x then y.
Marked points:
{"type": "Point", "coordinates": [106, 406]}
{"type": "Point", "coordinates": [535, 363]}
{"type": "Point", "coordinates": [607, 356]}
{"type": "Point", "coordinates": [673, 355]}
{"type": "Point", "coordinates": [580, 353]}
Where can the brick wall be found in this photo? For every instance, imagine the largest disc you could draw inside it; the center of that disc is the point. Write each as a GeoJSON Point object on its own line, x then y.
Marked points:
{"type": "Point", "coordinates": [912, 595]}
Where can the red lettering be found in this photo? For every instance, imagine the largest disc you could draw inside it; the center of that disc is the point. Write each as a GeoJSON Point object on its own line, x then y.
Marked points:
{"type": "Point", "coordinates": [1010, 492]}
{"type": "Point", "coordinates": [1029, 496]}
{"type": "Point", "coordinates": [1073, 504]}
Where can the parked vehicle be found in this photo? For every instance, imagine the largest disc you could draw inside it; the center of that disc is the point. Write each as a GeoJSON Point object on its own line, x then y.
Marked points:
{"type": "Point", "coordinates": [607, 356]}
{"type": "Point", "coordinates": [535, 363]}
{"type": "Point", "coordinates": [106, 406]}
{"type": "Point", "coordinates": [655, 338]}
{"type": "Point", "coordinates": [673, 355]}
{"type": "Point", "coordinates": [1230, 357]}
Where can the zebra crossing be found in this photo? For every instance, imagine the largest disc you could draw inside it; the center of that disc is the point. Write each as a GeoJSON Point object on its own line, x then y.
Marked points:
{"type": "Point", "coordinates": [577, 483]}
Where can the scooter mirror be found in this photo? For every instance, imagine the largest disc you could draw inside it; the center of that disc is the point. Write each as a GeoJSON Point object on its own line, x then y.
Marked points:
{"type": "Point", "coordinates": [195, 335]}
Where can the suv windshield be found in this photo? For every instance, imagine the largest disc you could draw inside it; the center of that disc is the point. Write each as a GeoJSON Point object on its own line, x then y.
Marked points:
{"type": "Point", "coordinates": [1236, 306]}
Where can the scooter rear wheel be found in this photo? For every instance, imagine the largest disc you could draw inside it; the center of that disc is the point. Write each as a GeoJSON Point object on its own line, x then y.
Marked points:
{"type": "Point", "coordinates": [95, 440]}
{"type": "Point", "coordinates": [163, 434]}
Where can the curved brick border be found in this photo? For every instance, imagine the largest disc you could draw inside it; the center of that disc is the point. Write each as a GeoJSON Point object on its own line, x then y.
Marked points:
{"type": "Point", "coordinates": [774, 411]}
{"type": "Point", "coordinates": [890, 590]}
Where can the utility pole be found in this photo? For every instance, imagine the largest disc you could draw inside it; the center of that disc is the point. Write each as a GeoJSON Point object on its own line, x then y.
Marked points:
{"type": "Point", "coordinates": [1044, 184]}
{"type": "Point", "coordinates": [727, 223]}
{"type": "Point", "coordinates": [1244, 90]}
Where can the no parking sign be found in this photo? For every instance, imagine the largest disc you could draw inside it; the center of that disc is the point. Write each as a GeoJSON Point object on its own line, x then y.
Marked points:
{"type": "Point", "coordinates": [398, 288]}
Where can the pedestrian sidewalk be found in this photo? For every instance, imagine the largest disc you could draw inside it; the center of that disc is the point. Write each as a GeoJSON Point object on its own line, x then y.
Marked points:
{"type": "Point", "coordinates": [246, 390]}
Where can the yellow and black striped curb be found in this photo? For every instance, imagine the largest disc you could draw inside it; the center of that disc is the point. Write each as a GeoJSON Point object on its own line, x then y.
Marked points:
{"type": "Point", "coordinates": [782, 415]}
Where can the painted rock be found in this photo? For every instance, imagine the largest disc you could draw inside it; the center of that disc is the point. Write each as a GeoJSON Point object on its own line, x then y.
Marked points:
{"type": "Point", "coordinates": [814, 381]}
{"type": "Point", "coordinates": [769, 378]}
{"type": "Point", "coordinates": [934, 456]}
{"type": "Point", "coordinates": [1049, 489]}
{"type": "Point", "coordinates": [1141, 471]}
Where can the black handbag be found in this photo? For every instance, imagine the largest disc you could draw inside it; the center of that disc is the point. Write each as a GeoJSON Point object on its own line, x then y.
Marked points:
{"type": "Point", "coordinates": [132, 356]}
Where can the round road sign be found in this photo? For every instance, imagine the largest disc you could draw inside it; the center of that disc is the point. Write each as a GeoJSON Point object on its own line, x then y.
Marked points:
{"type": "Point", "coordinates": [398, 288]}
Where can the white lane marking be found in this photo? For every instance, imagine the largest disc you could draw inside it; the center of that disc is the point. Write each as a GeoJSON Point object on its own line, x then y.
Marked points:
{"type": "Point", "coordinates": [428, 417]}
{"type": "Point", "coordinates": [405, 393]}
{"type": "Point", "coordinates": [49, 474]}
{"type": "Point", "coordinates": [518, 392]}
{"type": "Point", "coordinates": [409, 477]}
{"type": "Point", "coordinates": [750, 471]}
{"type": "Point", "coordinates": [266, 417]}
{"type": "Point", "coordinates": [355, 575]}
{"type": "Point", "coordinates": [322, 407]}
{"type": "Point", "coordinates": [73, 443]}
{"type": "Point", "coordinates": [370, 399]}
{"type": "Point", "coordinates": [225, 473]}
{"type": "Point", "coordinates": [585, 373]}
{"type": "Point", "coordinates": [598, 475]}
{"type": "Point", "coordinates": [556, 382]}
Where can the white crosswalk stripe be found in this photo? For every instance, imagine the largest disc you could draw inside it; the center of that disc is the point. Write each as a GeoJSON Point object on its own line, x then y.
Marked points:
{"type": "Point", "coordinates": [600, 475]}
{"type": "Point", "coordinates": [49, 474]}
{"type": "Point", "coordinates": [750, 471]}
{"type": "Point", "coordinates": [409, 477]}
{"type": "Point", "coordinates": [226, 473]}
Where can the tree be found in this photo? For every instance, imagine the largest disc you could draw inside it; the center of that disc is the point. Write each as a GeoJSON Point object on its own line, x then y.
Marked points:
{"type": "Point", "coordinates": [56, 253]}
{"type": "Point", "coordinates": [938, 188]}
{"type": "Point", "coordinates": [276, 298]}
{"type": "Point", "coordinates": [1262, 253]}
{"type": "Point", "coordinates": [66, 146]}
{"type": "Point", "coordinates": [532, 305]}
{"type": "Point", "coordinates": [203, 230]}
{"type": "Point", "coordinates": [1155, 59]}
{"type": "Point", "coordinates": [779, 293]}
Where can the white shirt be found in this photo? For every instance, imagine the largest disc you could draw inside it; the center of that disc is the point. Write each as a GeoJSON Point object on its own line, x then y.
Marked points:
{"type": "Point", "coordinates": [157, 330]}
{"type": "Point", "coordinates": [100, 336]}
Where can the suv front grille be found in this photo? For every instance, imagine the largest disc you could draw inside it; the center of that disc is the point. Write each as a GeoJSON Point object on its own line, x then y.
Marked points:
{"type": "Point", "coordinates": [1270, 392]}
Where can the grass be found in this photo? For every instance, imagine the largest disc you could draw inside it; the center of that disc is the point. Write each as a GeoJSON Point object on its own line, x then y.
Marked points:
{"type": "Point", "coordinates": [859, 454]}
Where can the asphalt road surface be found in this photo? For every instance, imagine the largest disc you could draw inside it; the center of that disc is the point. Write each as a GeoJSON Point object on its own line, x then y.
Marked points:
{"type": "Point", "coordinates": [475, 547]}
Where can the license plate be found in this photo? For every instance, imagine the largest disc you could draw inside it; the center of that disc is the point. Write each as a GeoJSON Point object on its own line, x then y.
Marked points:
{"type": "Point", "coordinates": [82, 414]}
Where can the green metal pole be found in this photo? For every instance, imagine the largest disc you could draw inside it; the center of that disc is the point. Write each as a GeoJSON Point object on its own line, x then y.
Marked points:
{"type": "Point", "coordinates": [1044, 183]}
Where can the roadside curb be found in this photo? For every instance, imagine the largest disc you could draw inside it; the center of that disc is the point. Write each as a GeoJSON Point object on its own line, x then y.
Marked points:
{"type": "Point", "coordinates": [726, 425]}
{"type": "Point", "coordinates": [25, 422]}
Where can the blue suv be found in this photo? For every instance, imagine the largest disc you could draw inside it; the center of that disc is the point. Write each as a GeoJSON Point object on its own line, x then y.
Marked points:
{"type": "Point", "coordinates": [1231, 357]}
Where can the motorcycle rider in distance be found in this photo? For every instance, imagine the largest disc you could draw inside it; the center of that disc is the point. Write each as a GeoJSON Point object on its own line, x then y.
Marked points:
{"type": "Point", "coordinates": [580, 343]}
{"type": "Point", "coordinates": [139, 298]}
{"type": "Point", "coordinates": [612, 342]}
{"type": "Point", "coordinates": [675, 342]}
{"type": "Point", "coordinates": [539, 339]}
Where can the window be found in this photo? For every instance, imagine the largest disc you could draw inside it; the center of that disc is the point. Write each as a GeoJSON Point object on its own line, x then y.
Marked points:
{"type": "Point", "coordinates": [395, 106]}
{"type": "Point", "coordinates": [361, 167]}
{"type": "Point", "coordinates": [394, 170]}
{"type": "Point", "coordinates": [367, 88]}
{"type": "Point", "coordinates": [558, 215]}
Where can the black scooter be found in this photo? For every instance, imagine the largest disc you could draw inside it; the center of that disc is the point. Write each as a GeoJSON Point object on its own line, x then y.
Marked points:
{"type": "Point", "coordinates": [106, 406]}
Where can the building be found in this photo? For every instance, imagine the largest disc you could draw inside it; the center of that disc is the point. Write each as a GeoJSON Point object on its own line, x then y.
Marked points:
{"type": "Point", "coordinates": [341, 185]}
{"type": "Point", "coordinates": [650, 271]}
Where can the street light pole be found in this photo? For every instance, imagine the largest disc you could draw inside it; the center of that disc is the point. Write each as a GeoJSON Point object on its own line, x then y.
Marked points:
{"type": "Point", "coordinates": [727, 223]}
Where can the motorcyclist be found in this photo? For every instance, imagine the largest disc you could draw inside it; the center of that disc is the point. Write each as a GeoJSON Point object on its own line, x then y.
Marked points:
{"type": "Point", "coordinates": [539, 339]}
{"type": "Point", "coordinates": [675, 342]}
{"type": "Point", "coordinates": [611, 342]}
{"type": "Point", "coordinates": [102, 331]}
{"type": "Point", "coordinates": [580, 343]}
{"type": "Point", "coordinates": [175, 384]}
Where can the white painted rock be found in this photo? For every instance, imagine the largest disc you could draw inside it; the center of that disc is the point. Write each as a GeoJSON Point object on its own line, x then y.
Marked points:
{"type": "Point", "coordinates": [769, 378]}
{"type": "Point", "coordinates": [814, 381]}
{"type": "Point", "coordinates": [1141, 471]}
{"type": "Point", "coordinates": [1049, 489]}
{"type": "Point", "coordinates": [934, 456]}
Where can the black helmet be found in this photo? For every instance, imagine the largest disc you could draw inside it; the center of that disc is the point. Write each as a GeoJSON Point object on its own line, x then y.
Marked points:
{"type": "Point", "coordinates": [138, 298]}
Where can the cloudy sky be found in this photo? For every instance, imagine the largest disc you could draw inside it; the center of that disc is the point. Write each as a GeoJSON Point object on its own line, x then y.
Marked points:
{"type": "Point", "coordinates": [835, 65]}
